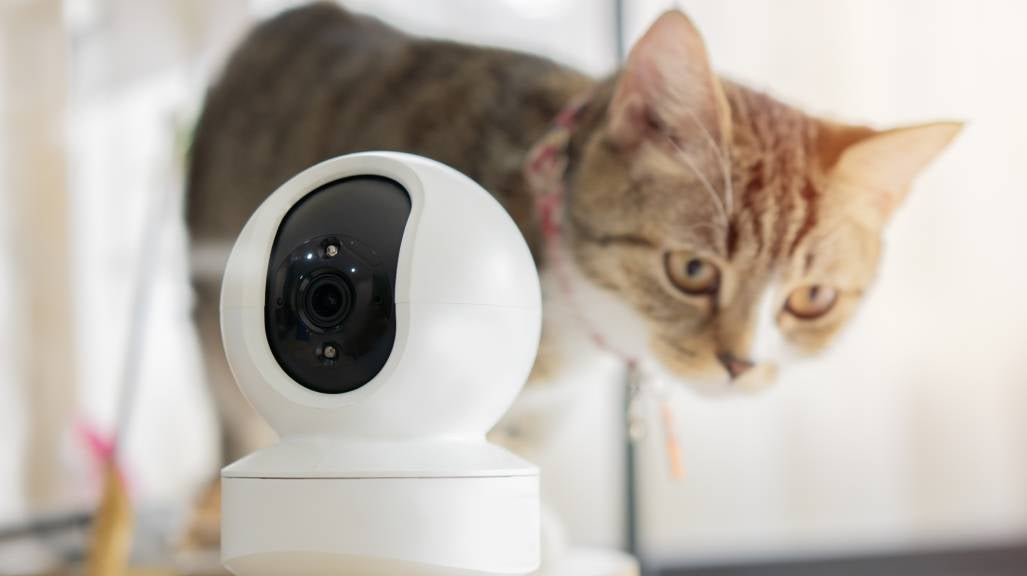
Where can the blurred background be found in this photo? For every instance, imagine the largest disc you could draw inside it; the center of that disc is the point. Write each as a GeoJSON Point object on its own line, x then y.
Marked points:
{"type": "Point", "coordinates": [908, 440]}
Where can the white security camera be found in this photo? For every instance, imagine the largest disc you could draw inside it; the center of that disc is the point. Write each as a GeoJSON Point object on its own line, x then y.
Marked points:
{"type": "Point", "coordinates": [381, 311]}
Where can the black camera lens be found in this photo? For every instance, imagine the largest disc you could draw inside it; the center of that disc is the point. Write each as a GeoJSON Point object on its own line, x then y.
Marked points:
{"type": "Point", "coordinates": [329, 307]}
{"type": "Point", "coordinates": [327, 300]}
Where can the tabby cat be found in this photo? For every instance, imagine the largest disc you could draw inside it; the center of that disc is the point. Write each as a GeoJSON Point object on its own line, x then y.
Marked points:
{"type": "Point", "coordinates": [695, 208]}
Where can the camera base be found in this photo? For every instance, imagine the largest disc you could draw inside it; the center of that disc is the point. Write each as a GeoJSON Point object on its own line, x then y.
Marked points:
{"type": "Point", "coordinates": [465, 520]}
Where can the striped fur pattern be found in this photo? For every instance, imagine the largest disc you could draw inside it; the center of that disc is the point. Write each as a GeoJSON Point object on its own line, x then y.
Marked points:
{"type": "Point", "coordinates": [786, 231]}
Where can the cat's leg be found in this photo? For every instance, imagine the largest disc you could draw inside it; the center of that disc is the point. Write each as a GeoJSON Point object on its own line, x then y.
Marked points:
{"type": "Point", "coordinates": [242, 430]}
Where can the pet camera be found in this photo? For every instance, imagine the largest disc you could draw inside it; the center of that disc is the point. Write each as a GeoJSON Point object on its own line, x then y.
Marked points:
{"type": "Point", "coordinates": [381, 311]}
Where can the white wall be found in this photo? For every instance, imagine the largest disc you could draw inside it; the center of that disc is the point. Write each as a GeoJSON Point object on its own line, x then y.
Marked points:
{"type": "Point", "coordinates": [11, 425]}
{"type": "Point", "coordinates": [914, 429]}
{"type": "Point", "coordinates": [38, 281]}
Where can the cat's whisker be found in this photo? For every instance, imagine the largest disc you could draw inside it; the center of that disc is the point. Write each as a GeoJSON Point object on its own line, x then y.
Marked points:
{"type": "Point", "coordinates": [725, 166]}
{"type": "Point", "coordinates": [717, 200]}
{"type": "Point", "coordinates": [729, 188]}
{"type": "Point", "coordinates": [716, 228]}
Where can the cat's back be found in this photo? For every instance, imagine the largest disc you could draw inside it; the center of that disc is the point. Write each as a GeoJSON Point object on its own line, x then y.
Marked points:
{"type": "Point", "coordinates": [319, 81]}
{"type": "Point", "coordinates": [266, 115]}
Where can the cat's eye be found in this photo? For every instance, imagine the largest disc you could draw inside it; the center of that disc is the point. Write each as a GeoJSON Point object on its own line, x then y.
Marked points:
{"type": "Point", "coordinates": [691, 274]}
{"type": "Point", "coordinates": [811, 302]}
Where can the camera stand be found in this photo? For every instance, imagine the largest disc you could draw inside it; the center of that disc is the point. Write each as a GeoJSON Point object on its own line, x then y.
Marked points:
{"type": "Point", "coordinates": [321, 507]}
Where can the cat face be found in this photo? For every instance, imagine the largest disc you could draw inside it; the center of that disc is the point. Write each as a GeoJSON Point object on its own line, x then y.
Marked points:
{"type": "Point", "coordinates": [739, 230]}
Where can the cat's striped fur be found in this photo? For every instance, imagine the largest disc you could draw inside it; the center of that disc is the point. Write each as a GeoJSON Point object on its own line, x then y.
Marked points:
{"type": "Point", "coordinates": [674, 173]}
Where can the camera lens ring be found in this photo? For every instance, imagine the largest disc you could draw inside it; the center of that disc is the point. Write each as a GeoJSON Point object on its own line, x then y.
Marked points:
{"type": "Point", "coordinates": [327, 300]}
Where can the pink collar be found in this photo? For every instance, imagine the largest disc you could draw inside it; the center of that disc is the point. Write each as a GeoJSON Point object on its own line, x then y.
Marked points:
{"type": "Point", "coordinates": [546, 167]}
{"type": "Point", "coordinates": [545, 171]}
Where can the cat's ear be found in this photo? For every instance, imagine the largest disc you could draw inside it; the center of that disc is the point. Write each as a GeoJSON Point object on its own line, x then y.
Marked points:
{"type": "Point", "coordinates": [668, 84]}
{"type": "Point", "coordinates": [883, 163]}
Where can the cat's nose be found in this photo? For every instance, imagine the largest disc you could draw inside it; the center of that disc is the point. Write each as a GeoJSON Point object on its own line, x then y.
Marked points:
{"type": "Point", "coordinates": [735, 366]}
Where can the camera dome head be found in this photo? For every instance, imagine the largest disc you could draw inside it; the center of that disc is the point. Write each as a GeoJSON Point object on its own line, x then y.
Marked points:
{"type": "Point", "coordinates": [380, 295]}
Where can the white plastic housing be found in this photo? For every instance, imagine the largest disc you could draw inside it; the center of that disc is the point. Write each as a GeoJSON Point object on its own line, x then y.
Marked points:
{"type": "Point", "coordinates": [386, 526]}
{"type": "Point", "coordinates": [394, 477]}
{"type": "Point", "coordinates": [468, 310]}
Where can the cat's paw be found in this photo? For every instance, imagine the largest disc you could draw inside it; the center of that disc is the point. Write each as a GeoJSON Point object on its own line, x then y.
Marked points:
{"type": "Point", "coordinates": [203, 531]}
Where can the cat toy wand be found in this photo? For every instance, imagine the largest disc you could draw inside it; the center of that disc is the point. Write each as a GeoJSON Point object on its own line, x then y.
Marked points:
{"type": "Point", "coordinates": [111, 539]}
